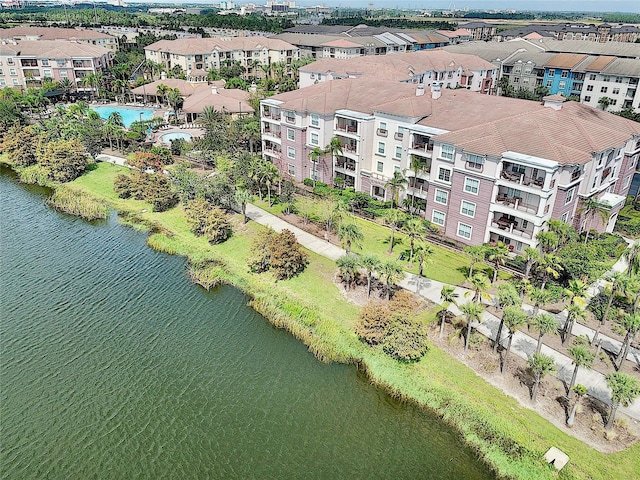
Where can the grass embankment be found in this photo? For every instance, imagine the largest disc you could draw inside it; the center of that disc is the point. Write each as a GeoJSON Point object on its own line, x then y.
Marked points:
{"type": "Point", "coordinates": [446, 265]}
{"type": "Point", "coordinates": [508, 437]}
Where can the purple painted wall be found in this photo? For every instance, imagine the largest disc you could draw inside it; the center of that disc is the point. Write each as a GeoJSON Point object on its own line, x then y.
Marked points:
{"type": "Point", "coordinates": [482, 201]}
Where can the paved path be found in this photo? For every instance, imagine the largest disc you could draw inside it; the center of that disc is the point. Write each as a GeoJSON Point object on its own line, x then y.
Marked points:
{"type": "Point", "coordinates": [522, 345]}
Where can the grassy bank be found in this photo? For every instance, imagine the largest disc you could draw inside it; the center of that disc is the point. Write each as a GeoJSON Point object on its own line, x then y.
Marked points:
{"type": "Point", "coordinates": [511, 439]}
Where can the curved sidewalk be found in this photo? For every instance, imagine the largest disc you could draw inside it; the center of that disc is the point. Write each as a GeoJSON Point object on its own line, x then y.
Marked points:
{"type": "Point", "coordinates": [523, 345]}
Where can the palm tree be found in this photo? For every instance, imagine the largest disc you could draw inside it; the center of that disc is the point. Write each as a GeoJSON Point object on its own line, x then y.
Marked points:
{"type": "Point", "coordinates": [161, 92]}
{"type": "Point", "coordinates": [590, 208]}
{"type": "Point", "coordinates": [67, 86]}
{"type": "Point", "coordinates": [351, 234]}
{"type": "Point", "coordinates": [89, 80]}
{"type": "Point", "coordinates": [548, 241]}
{"type": "Point", "coordinates": [580, 391]}
{"type": "Point", "coordinates": [581, 357]}
{"type": "Point", "coordinates": [575, 311]}
{"type": "Point", "coordinates": [562, 230]}
{"type": "Point", "coordinates": [624, 390]}
{"type": "Point", "coordinates": [392, 273]}
{"type": "Point", "coordinates": [617, 283]}
{"type": "Point", "coordinates": [174, 98]}
{"type": "Point", "coordinates": [540, 365]}
{"type": "Point", "coordinates": [371, 264]}
{"type": "Point", "coordinates": [550, 267]}
{"type": "Point", "coordinates": [577, 291]}
{"type": "Point", "coordinates": [604, 103]}
{"type": "Point", "coordinates": [544, 323]}
{"type": "Point", "coordinates": [414, 228]}
{"type": "Point", "coordinates": [539, 297]}
{"type": "Point", "coordinates": [512, 317]}
{"type": "Point", "coordinates": [472, 312]}
{"type": "Point", "coordinates": [479, 286]}
{"type": "Point", "coordinates": [423, 252]}
{"type": "Point", "coordinates": [115, 118]}
{"type": "Point", "coordinates": [532, 257]}
{"type": "Point", "coordinates": [417, 164]}
{"type": "Point", "coordinates": [315, 156]}
{"type": "Point", "coordinates": [242, 197]}
{"type": "Point", "coordinates": [497, 254]}
{"type": "Point", "coordinates": [631, 324]}
{"type": "Point", "coordinates": [507, 297]}
{"type": "Point", "coordinates": [348, 265]}
{"type": "Point", "coordinates": [396, 184]}
{"type": "Point", "coordinates": [632, 256]}
{"type": "Point", "coordinates": [448, 297]}
{"type": "Point", "coordinates": [393, 218]}
{"type": "Point", "coordinates": [477, 254]}
{"type": "Point", "coordinates": [334, 148]}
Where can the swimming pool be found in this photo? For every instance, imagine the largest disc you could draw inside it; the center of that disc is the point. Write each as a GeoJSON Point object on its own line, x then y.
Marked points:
{"type": "Point", "coordinates": [175, 135]}
{"type": "Point", "coordinates": [129, 115]}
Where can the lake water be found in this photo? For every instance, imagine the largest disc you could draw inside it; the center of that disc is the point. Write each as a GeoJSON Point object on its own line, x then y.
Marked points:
{"type": "Point", "coordinates": [113, 365]}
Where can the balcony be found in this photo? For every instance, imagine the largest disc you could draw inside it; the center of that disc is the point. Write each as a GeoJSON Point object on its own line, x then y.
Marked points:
{"type": "Point", "coordinates": [382, 132]}
{"type": "Point", "coordinates": [81, 64]}
{"type": "Point", "coordinates": [347, 126]}
{"type": "Point", "coordinates": [272, 149]}
{"type": "Point", "coordinates": [272, 114]}
{"type": "Point", "coordinates": [28, 62]}
{"type": "Point", "coordinates": [531, 177]}
{"type": "Point", "coordinates": [422, 144]}
{"type": "Point", "coordinates": [398, 136]}
{"type": "Point", "coordinates": [272, 132]}
{"type": "Point", "coordinates": [512, 243]}
{"type": "Point", "coordinates": [518, 201]}
{"type": "Point", "coordinates": [345, 164]}
{"type": "Point", "coordinates": [349, 181]}
{"type": "Point", "coordinates": [512, 225]}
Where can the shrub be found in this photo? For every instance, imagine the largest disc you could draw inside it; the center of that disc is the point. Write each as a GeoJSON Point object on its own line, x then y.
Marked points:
{"type": "Point", "coordinates": [210, 222]}
{"type": "Point", "coordinates": [65, 160]}
{"type": "Point", "coordinates": [279, 252]}
{"type": "Point", "coordinates": [123, 186]}
{"type": "Point", "coordinates": [35, 175]}
{"type": "Point", "coordinates": [158, 192]}
{"type": "Point", "coordinates": [20, 145]}
{"type": "Point", "coordinates": [405, 340]}
{"type": "Point", "coordinates": [372, 324]}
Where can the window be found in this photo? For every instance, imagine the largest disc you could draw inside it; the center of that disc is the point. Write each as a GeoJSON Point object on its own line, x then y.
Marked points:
{"type": "Point", "coordinates": [604, 89]}
{"type": "Point", "coordinates": [441, 197]}
{"type": "Point", "coordinates": [475, 162]}
{"type": "Point", "coordinates": [468, 209]}
{"type": "Point", "coordinates": [447, 152]}
{"type": "Point", "coordinates": [291, 170]}
{"type": "Point", "coordinates": [592, 76]}
{"type": "Point", "coordinates": [552, 73]}
{"type": "Point", "coordinates": [12, 71]}
{"type": "Point", "coordinates": [315, 139]}
{"type": "Point", "coordinates": [569, 196]}
{"type": "Point", "coordinates": [561, 85]}
{"type": "Point", "coordinates": [291, 134]}
{"type": "Point", "coordinates": [564, 217]}
{"type": "Point", "coordinates": [290, 117]}
{"type": "Point", "coordinates": [315, 120]}
{"type": "Point", "coordinates": [63, 73]}
{"type": "Point", "coordinates": [3, 82]}
{"type": "Point", "coordinates": [15, 81]}
{"type": "Point", "coordinates": [587, 98]}
{"type": "Point", "coordinates": [383, 127]}
{"type": "Point", "coordinates": [438, 217]}
{"type": "Point", "coordinates": [380, 166]}
{"type": "Point", "coordinates": [627, 181]}
{"type": "Point", "coordinates": [464, 230]}
{"type": "Point", "coordinates": [396, 169]}
{"type": "Point", "coordinates": [45, 62]}
{"type": "Point", "coordinates": [381, 147]}
{"type": "Point", "coordinates": [615, 91]}
{"type": "Point", "coordinates": [291, 152]}
{"type": "Point", "coordinates": [606, 78]}
{"type": "Point", "coordinates": [313, 174]}
{"type": "Point", "coordinates": [546, 209]}
{"type": "Point", "coordinates": [444, 174]}
{"type": "Point", "coordinates": [47, 72]}
{"type": "Point", "coordinates": [471, 185]}
{"type": "Point", "coordinates": [589, 88]}
{"type": "Point", "coordinates": [1, 71]}
{"type": "Point", "coordinates": [398, 152]}
{"type": "Point", "coordinates": [549, 83]}
{"type": "Point", "coordinates": [564, 74]}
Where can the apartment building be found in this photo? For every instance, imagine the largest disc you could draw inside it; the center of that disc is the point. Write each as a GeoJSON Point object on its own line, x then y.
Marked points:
{"type": "Point", "coordinates": [334, 46]}
{"type": "Point", "coordinates": [253, 53]}
{"type": "Point", "coordinates": [90, 37]}
{"type": "Point", "coordinates": [426, 67]}
{"type": "Point", "coordinates": [34, 60]}
{"type": "Point", "coordinates": [483, 168]}
{"type": "Point", "coordinates": [574, 31]}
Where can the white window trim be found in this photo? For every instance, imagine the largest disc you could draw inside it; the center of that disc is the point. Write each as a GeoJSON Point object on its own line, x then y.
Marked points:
{"type": "Point", "coordinates": [444, 217]}
{"type": "Point", "coordinates": [464, 188]}
{"type": "Point", "coordinates": [435, 196]}
{"type": "Point", "coordinates": [462, 236]}
{"type": "Point", "coordinates": [450, 174]}
{"type": "Point", "coordinates": [568, 200]}
{"type": "Point", "coordinates": [289, 152]}
{"type": "Point", "coordinates": [293, 134]}
{"type": "Point", "coordinates": [475, 206]}
{"type": "Point", "coordinates": [442, 151]}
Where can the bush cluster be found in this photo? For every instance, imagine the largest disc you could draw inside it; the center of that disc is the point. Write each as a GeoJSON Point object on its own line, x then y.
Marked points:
{"type": "Point", "coordinates": [208, 221]}
{"type": "Point", "coordinates": [278, 252]}
{"type": "Point", "coordinates": [154, 188]}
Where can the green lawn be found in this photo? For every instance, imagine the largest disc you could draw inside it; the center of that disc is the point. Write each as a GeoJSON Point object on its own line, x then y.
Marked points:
{"type": "Point", "coordinates": [511, 438]}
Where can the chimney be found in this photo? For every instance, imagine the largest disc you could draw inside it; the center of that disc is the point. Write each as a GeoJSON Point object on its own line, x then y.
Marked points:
{"type": "Point", "coordinates": [163, 75]}
{"type": "Point", "coordinates": [553, 101]}
{"type": "Point", "coordinates": [420, 90]}
{"type": "Point", "coordinates": [436, 90]}
{"type": "Point", "coordinates": [214, 90]}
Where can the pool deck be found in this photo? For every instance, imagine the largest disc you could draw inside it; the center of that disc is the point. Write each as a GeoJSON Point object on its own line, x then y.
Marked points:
{"type": "Point", "coordinates": [156, 137]}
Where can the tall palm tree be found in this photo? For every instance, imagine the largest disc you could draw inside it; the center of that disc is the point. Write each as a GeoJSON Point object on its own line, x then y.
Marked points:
{"type": "Point", "coordinates": [531, 257]}
{"type": "Point", "coordinates": [315, 155]}
{"type": "Point", "coordinates": [624, 390]}
{"type": "Point", "coordinates": [507, 297]}
{"type": "Point", "coordinates": [631, 324]}
{"type": "Point", "coordinates": [174, 98]}
{"type": "Point", "coordinates": [334, 149]}
{"type": "Point", "coordinates": [393, 218]}
{"type": "Point", "coordinates": [512, 317]}
{"type": "Point", "coordinates": [544, 323]}
{"type": "Point", "coordinates": [241, 198]}
{"type": "Point", "coordinates": [479, 286]}
{"type": "Point", "coordinates": [548, 241]}
{"type": "Point", "coordinates": [392, 273]}
{"type": "Point", "coordinates": [498, 254]}
{"type": "Point", "coordinates": [539, 297]}
{"type": "Point", "coordinates": [581, 357]}
{"type": "Point", "coordinates": [348, 265]}
{"type": "Point", "coordinates": [477, 254]}
{"type": "Point", "coordinates": [417, 165]}
{"type": "Point", "coordinates": [414, 228]}
{"type": "Point", "coordinates": [115, 118]}
{"type": "Point", "coordinates": [632, 256]}
{"type": "Point", "coordinates": [591, 207]}
{"type": "Point", "coordinates": [423, 253]}
{"type": "Point", "coordinates": [396, 184]}
{"type": "Point", "coordinates": [471, 312]}
{"type": "Point", "coordinates": [448, 297]}
{"type": "Point", "coordinates": [540, 365]}
{"type": "Point", "coordinates": [351, 234]}
{"type": "Point", "coordinates": [549, 267]}
{"type": "Point", "coordinates": [562, 230]}
{"type": "Point", "coordinates": [577, 291]}
{"type": "Point", "coordinates": [161, 92]}
{"type": "Point", "coordinates": [371, 264]}
{"type": "Point", "coordinates": [67, 86]}
{"type": "Point", "coordinates": [575, 311]}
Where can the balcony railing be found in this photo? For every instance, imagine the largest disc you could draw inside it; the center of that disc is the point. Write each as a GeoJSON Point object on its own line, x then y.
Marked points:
{"type": "Point", "coordinates": [348, 147]}
{"type": "Point", "coordinates": [273, 133]}
{"type": "Point", "coordinates": [29, 63]}
{"type": "Point", "coordinates": [272, 115]}
{"type": "Point", "coordinates": [517, 203]}
{"type": "Point", "coordinates": [346, 166]}
{"type": "Point", "coordinates": [512, 226]}
{"type": "Point", "coordinates": [522, 179]}
{"type": "Point", "coordinates": [398, 136]}
{"type": "Point", "coordinates": [382, 132]}
{"type": "Point", "coordinates": [424, 147]}
{"type": "Point", "coordinates": [347, 128]}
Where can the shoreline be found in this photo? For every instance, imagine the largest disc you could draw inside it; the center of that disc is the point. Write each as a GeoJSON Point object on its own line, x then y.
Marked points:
{"type": "Point", "coordinates": [508, 452]}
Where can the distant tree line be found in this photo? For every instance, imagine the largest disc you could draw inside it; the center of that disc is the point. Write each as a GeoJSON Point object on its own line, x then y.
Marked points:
{"type": "Point", "coordinates": [390, 22]}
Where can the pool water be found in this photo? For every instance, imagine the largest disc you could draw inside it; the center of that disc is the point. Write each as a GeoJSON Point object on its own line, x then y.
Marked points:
{"type": "Point", "coordinates": [129, 115]}
{"type": "Point", "coordinates": [175, 135]}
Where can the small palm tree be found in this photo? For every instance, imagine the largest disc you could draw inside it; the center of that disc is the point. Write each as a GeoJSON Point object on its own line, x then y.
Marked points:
{"type": "Point", "coordinates": [477, 254]}
{"type": "Point", "coordinates": [563, 231]}
{"type": "Point", "coordinates": [531, 257]}
{"type": "Point", "coordinates": [471, 312]}
{"type": "Point", "coordinates": [577, 291]}
{"type": "Point", "coordinates": [624, 390]}
{"type": "Point", "coordinates": [497, 254]}
{"type": "Point", "coordinates": [414, 228]}
{"type": "Point", "coordinates": [242, 197]}
{"type": "Point", "coordinates": [632, 256]}
{"type": "Point", "coordinates": [396, 184]}
{"type": "Point", "coordinates": [512, 317]}
{"type": "Point", "coordinates": [348, 265]}
{"type": "Point", "coordinates": [575, 311]}
{"type": "Point", "coordinates": [393, 218]}
{"type": "Point", "coordinates": [540, 365]}
{"type": "Point", "coordinates": [549, 267]}
{"type": "Point", "coordinates": [539, 297]}
{"type": "Point", "coordinates": [371, 264]}
{"type": "Point", "coordinates": [631, 324]}
{"type": "Point", "coordinates": [581, 357]}
{"type": "Point", "coordinates": [507, 297]}
{"type": "Point", "coordinates": [351, 235]}
{"type": "Point", "coordinates": [479, 286]}
{"type": "Point", "coordinates": [544, 323]}
{"type": "Point", "coordinates": [448, 297]}
{"type": "Point", "coordinates": [580, 391]}
{"type": "Point", "coordinates": [590, 208]}
{"type": "Point", "coordinates": [315, 155]}
{"type": "Point", "coordinates": [423, 253]}
{"type": "Point", "coordinates": [392, 273]}
{"type": "Point", "coordinates": [548, 241]}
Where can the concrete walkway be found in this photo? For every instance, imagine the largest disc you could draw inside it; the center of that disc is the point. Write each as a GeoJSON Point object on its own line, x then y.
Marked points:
{"type": "Point", "coordinates": [522, 345]}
